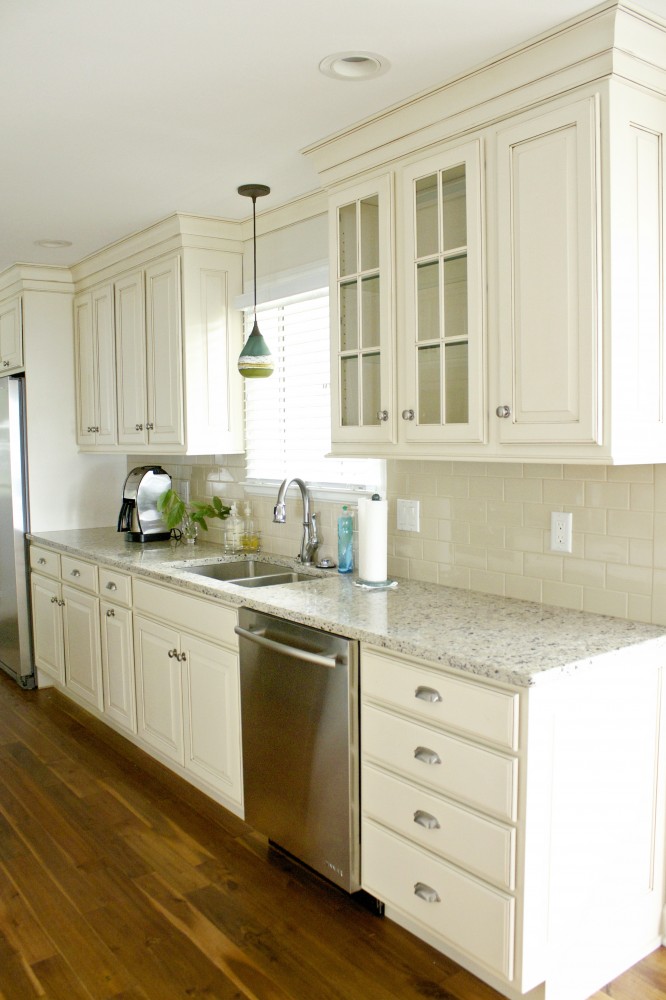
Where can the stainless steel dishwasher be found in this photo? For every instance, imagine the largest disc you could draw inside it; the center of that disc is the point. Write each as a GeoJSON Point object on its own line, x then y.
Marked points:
{"type": "Point", "coordinates": [299, 709]}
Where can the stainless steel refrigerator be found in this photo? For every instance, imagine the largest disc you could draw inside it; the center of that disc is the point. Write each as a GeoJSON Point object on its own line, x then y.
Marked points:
{"type": "Point", "coordinates": [15, 635]}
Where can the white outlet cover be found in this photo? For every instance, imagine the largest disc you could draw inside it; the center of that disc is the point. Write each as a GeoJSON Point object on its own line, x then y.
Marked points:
{"type": "Point", "coordinates": [561, 531]}
{"type": "Point", "coordinates": [407, 515]}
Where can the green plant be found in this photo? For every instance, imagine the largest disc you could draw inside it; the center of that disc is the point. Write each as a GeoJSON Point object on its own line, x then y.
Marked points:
{"type": "Point", "coordinates": [174, 510]}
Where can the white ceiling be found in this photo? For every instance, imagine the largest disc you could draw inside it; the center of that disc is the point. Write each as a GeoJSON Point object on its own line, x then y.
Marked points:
{"type": "Point", "coordinates": [116, 113]}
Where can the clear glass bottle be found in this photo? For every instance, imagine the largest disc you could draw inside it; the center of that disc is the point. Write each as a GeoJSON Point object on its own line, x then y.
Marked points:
{"type": "Point", "coordinates": [345, 541]}
{"type": "Point", "coordinates": [233, 530]}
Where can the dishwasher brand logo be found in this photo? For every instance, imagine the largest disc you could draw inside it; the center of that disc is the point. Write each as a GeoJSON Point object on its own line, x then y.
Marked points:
{"type": "Point", "coordinates": [334, 868]}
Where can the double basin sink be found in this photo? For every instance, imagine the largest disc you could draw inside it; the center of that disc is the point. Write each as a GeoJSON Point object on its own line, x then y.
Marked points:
{"type": "Point", "coordinates": [248, 573]}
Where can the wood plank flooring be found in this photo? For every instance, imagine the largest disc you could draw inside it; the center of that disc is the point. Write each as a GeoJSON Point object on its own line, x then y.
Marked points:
{"type": "Point", "coordinates": [118, 881]}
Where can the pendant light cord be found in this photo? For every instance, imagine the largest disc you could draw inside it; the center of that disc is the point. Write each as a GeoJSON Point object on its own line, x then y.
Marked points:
{"type": "Point", "coordinates": [254, 251]}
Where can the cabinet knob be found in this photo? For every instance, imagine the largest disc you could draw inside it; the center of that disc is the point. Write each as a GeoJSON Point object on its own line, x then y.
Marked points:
{"type": "Point", "coordinates": [5, 364]}
{"type": "Point", "coordinates": [42, 561]}
{"type": "Point", "coordinates": [382, 415]}
{"type": "Point", "coordinates": [96, 430]}
{"type": "Point", "coordinates": [426, 820]}
{"type": "Point", "coordinates": [75, 572]}
{"type": "Point", "coordinates": [90, 430]}
{"type": "Point", "coordinates": [54, 600]}
{"type": "Point", "coordinates": [111, 585]}
{"type": "Point", "coordinates": [182, 657]}
{"type": "Point", "coordinates": [172, 653]}
{"type": "Point", "coordinates": [426, 892]}
{"type": "Point", "coordinates": [427, 756]}
{"type": "Point", "coordinates": [150, 427]}
{"type": "Point", "coordinates": [503, 411]}
{"type": "Point", "coordinates": [61, 604]}
{"type": "Point", "coordinates": [427, 693]}
{"type": "Point", "coordinates": [407, 414]}
{"type": "Point", "coordinates": [110, 613]}
{"type": "Point", "coordinates": [138, 427]}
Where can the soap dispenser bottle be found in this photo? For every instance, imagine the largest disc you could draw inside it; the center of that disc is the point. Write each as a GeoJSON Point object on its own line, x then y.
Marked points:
{"type": "Point", "coordinates": [345, 541]}
{"type": "Point", "coordinates": [233, 530]}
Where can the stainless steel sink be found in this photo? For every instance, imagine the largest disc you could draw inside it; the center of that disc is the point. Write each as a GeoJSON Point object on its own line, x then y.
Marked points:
{"type": "Point", "coordinates": [249, 573]}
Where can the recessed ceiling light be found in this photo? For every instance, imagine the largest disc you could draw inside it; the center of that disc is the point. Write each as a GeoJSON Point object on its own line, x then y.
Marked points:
{"type": "Point", "coordinates": [53, 244]}
{"type": "Point", "coordinates": [354, 65]}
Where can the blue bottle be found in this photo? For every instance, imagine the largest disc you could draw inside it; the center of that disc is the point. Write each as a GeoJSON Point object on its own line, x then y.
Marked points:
{"type": "Point", "coordinates": [345, 540]}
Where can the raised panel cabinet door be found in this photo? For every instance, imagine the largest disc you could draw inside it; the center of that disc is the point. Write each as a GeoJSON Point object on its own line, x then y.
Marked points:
{"type": "Point", "coordinates": [118, 664]}
{"type": "Point", "coordinates": [211, 702]}
{"type": "Point", "coordinates": [361, 314]}
{"type": "Point", "coordinates": [94, 352]}
{"type": "Point", "coordinates": [164, 353]}
{"type": "Point", "coordinates": [11, 335]}
{"type": "Point", "coordinates": [83, 660]}
{"type": "Point", "coordinates": [130, 327]}
{"type": "Point", "coordinates": [549, 318]}
{"type": "Point", "coordinates": [47, 629]}
{"type": "Point", "coordinates": [159, 687]}
{"type": "Point", "coordinates": [442, 383]}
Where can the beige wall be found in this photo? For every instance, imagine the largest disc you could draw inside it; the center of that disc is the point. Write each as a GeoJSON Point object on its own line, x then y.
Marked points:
{"type": "Point", "coordinates": [486, 527]}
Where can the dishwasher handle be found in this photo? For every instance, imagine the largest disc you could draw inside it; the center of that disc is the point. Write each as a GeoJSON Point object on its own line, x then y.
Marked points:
{"type": "Point", "coordinates": [261, 639]}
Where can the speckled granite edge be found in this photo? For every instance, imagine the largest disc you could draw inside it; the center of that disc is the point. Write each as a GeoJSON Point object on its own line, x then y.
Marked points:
{"type": "Point", "coordinates": [509, 641]}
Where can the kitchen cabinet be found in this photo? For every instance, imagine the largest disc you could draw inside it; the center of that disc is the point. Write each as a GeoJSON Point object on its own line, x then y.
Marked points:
{"type": "Point", "coordinates": [188, 685]}
{"type": "Point", "coordinates": [519, 830]}
{"type": "Point", "coordinates": [176, 339]}
{"type": "Point", "coordinates": [117, 647]}
{"type": "Point", "coordinates": [66, 630]}
{"type": "Point", "coordinates": [361, 310]}
{"type": "Point", "coordinates": [94, 350]}
{"type": "Point", "coordinates": [559, 355]}
{"type": "Point", "coordinates": [11, 335]}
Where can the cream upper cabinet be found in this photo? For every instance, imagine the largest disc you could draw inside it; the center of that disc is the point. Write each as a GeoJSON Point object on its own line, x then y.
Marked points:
{"type": "Point", "coordinates": [361, 305]}
{"type": "Point", "coordinates": [440, 262]}
{"type": "Point", "coordinates": [538, 332]}
{"type": "Point", "coordinates": [95, 367]}
{"type": "Point", "coordinates": [148, 335]}
{"type": "Point", "coordinates": [11, 335]}
{"type": "Point", "coordinates": [171, 356]}
{"type": "Point", "coordinates": [547, 265]}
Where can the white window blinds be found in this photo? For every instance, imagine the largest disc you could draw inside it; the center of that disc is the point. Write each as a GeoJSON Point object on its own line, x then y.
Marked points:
{"type": "Point", "coordinates": [287, 416]}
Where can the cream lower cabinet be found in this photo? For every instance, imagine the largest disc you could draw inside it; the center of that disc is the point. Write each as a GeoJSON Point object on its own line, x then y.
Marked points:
{"type": "Point", "coordinates": [518, 830]}
{"type": "Point", "coordinates": [188, 688]}
{"type": "Point", "coordinates": [66, 628]}
{"type": "Point", "coordinates": [117, 647]}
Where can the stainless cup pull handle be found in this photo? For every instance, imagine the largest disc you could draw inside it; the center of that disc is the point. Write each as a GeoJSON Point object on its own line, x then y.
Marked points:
{"type": "Point", "coordinates": [427, 756]}
{"type": "Point", "coordinates": [111, 585]}
{"type": "Point", "coordinates": [408, 414]}
{"type": "Point", "coordinates": [427, 693]}
{"type": "Point", "coordinates": [426, 892]}
{"type": "Point", "coordinates": [426, 820]}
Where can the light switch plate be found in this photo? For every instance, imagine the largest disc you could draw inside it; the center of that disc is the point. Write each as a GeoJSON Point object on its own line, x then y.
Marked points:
{"type": "Point", "coordinates": [407, 515]}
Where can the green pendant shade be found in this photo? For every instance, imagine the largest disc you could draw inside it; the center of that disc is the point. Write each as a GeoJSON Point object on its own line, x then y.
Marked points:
{"type": "Point", "coordinates": [255, 359]}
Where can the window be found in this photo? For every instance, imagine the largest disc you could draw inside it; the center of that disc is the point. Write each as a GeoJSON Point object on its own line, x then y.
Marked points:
{"type": "Point", "coordinates": [288, 416]}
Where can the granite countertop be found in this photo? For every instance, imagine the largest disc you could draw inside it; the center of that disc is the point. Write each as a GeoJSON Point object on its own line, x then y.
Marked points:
{"type": "Point", "coordinates": [516, 642]}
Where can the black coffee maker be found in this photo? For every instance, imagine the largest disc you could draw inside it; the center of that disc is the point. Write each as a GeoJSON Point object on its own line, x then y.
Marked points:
{"type": "Point", "coordinates": [139, 515]}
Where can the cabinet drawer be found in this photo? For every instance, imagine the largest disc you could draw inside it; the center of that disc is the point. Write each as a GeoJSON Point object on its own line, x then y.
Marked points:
{"type": "Point", "coordinates": [114, 586]}
{"type": "Point", "coordinates": [470, 707]}
{"type": "Point", "coordinates": [472, 916]}
{"type": "Point", "coordinates": [81, 574]}
{"type": "Point", "coordinates": [45, 561]}
{"type": "Point", "coordinates": [200, 616]}
{"type": "Point", "coordinates": [480, 845]}
{"type": "Point", "coordinates": [470, 773]}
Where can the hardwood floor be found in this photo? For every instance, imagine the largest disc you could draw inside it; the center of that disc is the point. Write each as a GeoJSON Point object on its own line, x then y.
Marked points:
{"type": "Point", "coordinates": [119, 881]}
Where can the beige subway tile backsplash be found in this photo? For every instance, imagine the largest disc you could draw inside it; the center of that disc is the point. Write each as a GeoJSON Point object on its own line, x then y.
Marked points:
{"type": "Point", "coordinates": [486, 526]}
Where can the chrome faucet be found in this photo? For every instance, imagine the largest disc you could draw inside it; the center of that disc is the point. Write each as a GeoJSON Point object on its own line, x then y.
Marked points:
{"type": "Point", "coordinates": [310, 542]}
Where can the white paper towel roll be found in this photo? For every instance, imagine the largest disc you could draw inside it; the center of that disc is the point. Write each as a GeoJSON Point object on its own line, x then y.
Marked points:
{"type": "Point", "coordinates": [372, 540]}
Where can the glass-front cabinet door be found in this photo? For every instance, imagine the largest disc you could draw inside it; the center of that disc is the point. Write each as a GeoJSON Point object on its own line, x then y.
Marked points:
{"type": "Point", "coordinates": [442, 336]}
{"type": "Point", "coordinates": [361, 314]}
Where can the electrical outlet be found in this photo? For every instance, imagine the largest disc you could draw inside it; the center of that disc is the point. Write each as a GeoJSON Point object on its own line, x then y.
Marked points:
{"type": "Point", "coordinates": [408, 515]}
{"type": "Point", "coordinates": [561, 531]}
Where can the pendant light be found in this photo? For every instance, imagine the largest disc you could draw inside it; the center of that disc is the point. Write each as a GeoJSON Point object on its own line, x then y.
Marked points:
{"type": "Point", "coordinates": [255, 359]}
